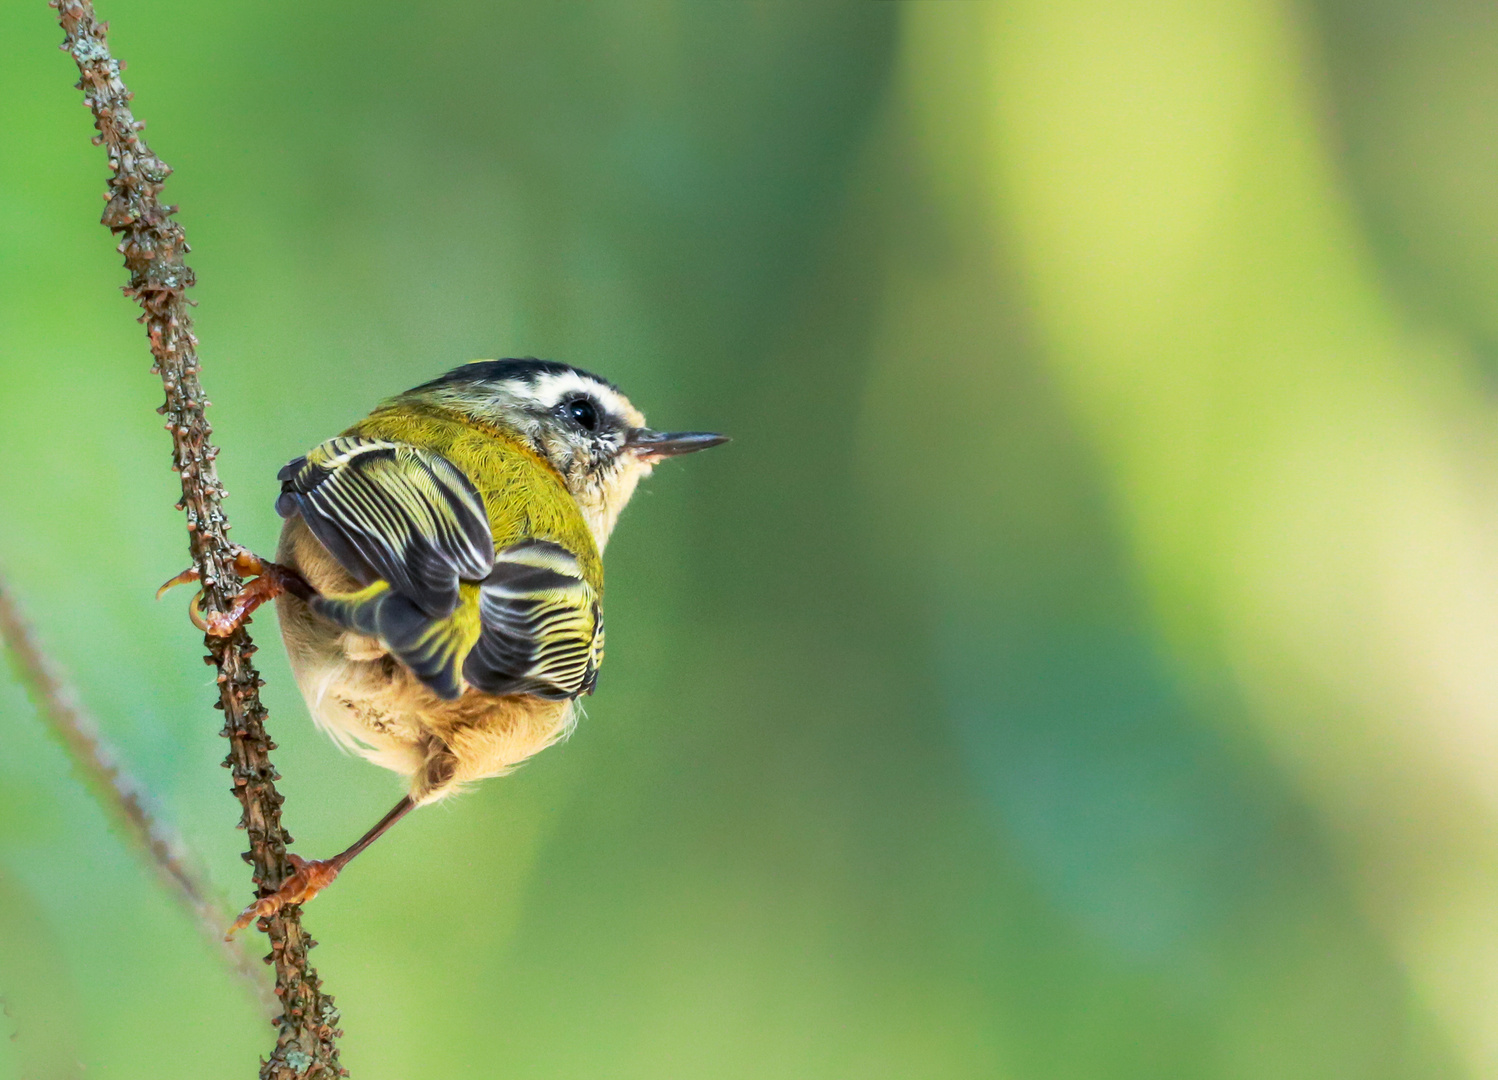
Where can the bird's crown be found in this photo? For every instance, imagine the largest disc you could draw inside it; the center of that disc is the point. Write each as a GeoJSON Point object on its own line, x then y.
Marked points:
{"type": "Point", "coordinates": [581, 424]}
{"type": "Point", "coordinates": [529, 395]}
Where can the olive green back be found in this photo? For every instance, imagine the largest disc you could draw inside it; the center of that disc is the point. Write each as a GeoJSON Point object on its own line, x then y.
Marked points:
{"type": "Point", "coordinates": [523, 495]}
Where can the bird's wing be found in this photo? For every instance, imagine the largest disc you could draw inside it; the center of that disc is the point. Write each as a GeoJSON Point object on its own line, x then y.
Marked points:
{"type": "Point", "coordinates": [542, 626]}
{"type": "Point", "coordinates": [395, 513]}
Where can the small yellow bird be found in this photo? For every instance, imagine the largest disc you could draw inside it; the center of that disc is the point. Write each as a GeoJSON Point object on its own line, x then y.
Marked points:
{"type": "Point", "coordinates": [439, 578]}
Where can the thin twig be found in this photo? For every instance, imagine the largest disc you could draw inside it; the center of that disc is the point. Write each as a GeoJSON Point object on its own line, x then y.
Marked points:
{"type": "Point", "coordinates": [154, 246]}
{"type": "Point", "coordinates": [123, 797]}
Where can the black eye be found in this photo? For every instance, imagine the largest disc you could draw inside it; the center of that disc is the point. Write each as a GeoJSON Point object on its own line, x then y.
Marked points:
{"type": "Point", "coordinates": [583, 413]}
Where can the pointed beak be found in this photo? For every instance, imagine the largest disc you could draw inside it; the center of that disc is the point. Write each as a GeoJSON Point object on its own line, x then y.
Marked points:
{"type": "Point", "coordinates": [663, 444]}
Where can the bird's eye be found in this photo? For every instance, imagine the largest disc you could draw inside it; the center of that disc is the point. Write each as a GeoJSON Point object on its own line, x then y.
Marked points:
{"type": "Point", "coordinates": [583, 413]}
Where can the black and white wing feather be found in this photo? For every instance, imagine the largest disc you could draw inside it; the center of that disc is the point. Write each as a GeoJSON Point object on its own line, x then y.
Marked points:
{"type": "Point", "coordinates": [395, 513]}
{"type": "Point", "coordinates": [542, 625]}
{"type": "Point", "coordinates": [410, 528]}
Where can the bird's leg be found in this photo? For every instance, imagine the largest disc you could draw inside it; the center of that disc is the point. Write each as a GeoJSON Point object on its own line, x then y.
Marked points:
{"type": "Point", "coordinates": [311, 878]}
{"type": "Point", "coordinates": [270, 581]}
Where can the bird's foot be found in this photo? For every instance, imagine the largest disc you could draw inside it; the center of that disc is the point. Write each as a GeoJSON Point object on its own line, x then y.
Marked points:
{"type": "Point", "coordinates": [310, 878]}
{"type": "Point", "coordinates": [307, 880]}
{"type": "Point", "coordinates": [270, 580]}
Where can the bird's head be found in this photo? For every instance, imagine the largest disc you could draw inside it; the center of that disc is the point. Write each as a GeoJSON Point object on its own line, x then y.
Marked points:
{"type": "Point", "coordinates": [583, 425]}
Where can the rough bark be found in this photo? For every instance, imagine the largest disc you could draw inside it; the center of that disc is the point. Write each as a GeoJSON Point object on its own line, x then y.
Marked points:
{"type": "Point", "coordinates": [154, 247]}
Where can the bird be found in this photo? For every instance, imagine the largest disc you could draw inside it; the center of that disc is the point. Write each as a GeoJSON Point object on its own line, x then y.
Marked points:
{"type": "Point", "coordinates": [439, 575]}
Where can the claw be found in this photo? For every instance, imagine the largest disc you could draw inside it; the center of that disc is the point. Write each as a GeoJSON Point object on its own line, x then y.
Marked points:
{"type": "Point", "coordinates": [248, 564]}
{"type": "Point", "coordinates": [310, 878]}
{"type": "Point", "coordinates": [270, 584]}
{"type": "Point", "coordinates": [307, 880]}
{"type": "Point", "coordinates": [269, 581]}
{"type": "Point", "coordinates": [195, 613]}
{"type": "Point", "coordinates": [194, 609]}
{"type": "Point", "coordinates": [190, 574]}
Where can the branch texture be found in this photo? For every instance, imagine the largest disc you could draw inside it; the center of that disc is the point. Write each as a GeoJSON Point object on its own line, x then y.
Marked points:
{"type": "Point", "coordinates": [122, 796]}
{"type": "Point", "coordinates": [153, 246]}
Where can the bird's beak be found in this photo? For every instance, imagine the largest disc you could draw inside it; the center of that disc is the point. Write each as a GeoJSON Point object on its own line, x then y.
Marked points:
{"type": "Point", "coordinates": [653, 445]}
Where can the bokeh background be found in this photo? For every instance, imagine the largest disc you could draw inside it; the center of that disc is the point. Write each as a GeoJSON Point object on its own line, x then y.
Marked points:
{"type": "Point", "coordinates": [1081, 664]}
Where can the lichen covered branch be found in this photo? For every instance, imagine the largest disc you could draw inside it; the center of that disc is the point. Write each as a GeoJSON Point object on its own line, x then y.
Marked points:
{"type": "Point", "coordinates": [154, 246]}
{"type": "Point", "coordinates": [121, 795]}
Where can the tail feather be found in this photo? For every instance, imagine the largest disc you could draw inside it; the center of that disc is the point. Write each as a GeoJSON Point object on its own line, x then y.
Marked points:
{"type": "Point", "coordinates": [434, 649]}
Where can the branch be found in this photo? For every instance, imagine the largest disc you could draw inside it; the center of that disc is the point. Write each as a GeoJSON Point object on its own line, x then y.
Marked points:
{"type": "Point", "coordinates": [122, 796]}
{"type": "Point", "coordinates": [153, 246]}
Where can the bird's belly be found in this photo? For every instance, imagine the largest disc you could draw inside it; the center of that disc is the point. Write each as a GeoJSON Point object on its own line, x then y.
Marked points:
{"type": "Point", "coordinates": [358, 704]}
{"type": "Point", "coordinates": [374, 707]}
{"type": "Point", "coordinates": [371, 705]}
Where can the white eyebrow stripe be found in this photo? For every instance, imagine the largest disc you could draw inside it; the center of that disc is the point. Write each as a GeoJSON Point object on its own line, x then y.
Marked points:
{"type": "Point", "coordinates": [549, 390]}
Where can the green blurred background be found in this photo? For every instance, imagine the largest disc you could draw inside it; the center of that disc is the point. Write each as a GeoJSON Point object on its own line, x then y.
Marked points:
{"type": "Point", "coordinates": [1081, 664]}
